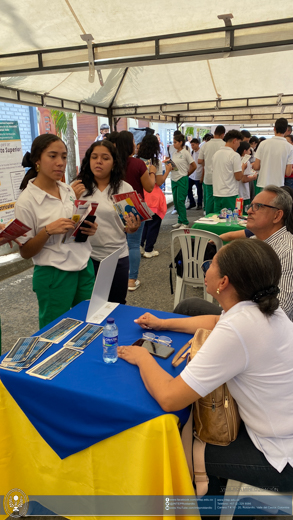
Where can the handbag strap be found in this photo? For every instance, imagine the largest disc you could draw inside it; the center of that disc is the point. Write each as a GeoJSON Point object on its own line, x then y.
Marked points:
{"type": "Point", "coordinates": [182, 354]}
{"type": "Point", "coordinates": [199, 468]}
{"type": "Point", "coordinates": [194, 450]}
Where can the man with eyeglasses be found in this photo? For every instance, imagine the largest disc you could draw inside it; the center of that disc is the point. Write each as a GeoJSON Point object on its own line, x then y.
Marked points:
{"type": "Point", "coordinates": [269, 217]}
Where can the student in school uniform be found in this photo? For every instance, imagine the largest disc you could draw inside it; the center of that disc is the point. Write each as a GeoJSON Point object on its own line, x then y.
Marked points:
{"type": "Point", "coordinates": [63, 273]}
{"type": "Point", "coordinates": [185, 166]}
{"type": "Point", "coordinates": [100, 177]}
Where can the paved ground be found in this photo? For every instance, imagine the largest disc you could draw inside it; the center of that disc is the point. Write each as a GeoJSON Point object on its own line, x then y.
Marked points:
{"type": "Point", "coordinates": [19, 307]}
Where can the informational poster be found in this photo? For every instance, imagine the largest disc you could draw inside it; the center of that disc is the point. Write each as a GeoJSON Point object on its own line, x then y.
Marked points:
{"type": "Point", "coordinates": [11, 171]}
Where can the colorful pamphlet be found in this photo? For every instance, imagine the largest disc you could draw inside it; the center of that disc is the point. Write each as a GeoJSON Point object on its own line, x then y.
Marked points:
{"type": "Point", "coordinates": [54, 364]}
{"type": "Point", "coordinates": [61, 330]}
{"type": "Point", "coordinates": [126, 203]}
{"type": "Point", "coordinates": [84, 337]}
{"type": "Point", "coordinates": [82, 209]}
{"type": "Point", "coordinates": [13, 230]}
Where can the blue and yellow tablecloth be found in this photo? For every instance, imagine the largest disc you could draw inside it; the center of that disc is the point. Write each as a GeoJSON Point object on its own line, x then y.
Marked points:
{"type": "Point", "coordinates": [93, 430]}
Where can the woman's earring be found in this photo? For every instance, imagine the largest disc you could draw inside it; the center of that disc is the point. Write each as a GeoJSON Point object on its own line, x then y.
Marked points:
{"type": "Point", "coordinates": [37, 168]}
{"type": "Point", "coordinates": [218, 291]}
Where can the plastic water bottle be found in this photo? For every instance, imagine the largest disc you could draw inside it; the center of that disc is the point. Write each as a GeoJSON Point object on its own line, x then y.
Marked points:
{"type": "Point", "coordinates": [235, 216]}
{"type": "Point", "coordinates": [229, 217]}
{"type": "Point", "coordinates": [110, 341]}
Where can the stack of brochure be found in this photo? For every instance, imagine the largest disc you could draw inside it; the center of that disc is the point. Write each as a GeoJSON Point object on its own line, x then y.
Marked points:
{"type": "Point", "coordinates": [24, 353]}
{"type": "Point", "coordinates": [27, 350]}
{"type": "Point", "coordinates": [126, 203]}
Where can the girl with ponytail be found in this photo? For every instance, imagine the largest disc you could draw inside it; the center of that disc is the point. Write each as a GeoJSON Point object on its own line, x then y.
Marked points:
{"type": "Point", "coordinates": [63, 273]}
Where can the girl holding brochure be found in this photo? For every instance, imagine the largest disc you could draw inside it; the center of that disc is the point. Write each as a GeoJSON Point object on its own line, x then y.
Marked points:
{"type": "Point", "coordinates": [140, 178]}
{"type": "Point", "coordinates": [100, 177]}
{"type": "Point", "coordinates": [63, 273]}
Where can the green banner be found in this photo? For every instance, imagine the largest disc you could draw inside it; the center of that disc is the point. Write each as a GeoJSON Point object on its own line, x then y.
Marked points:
{"type": "Point", "coordinates": [9, 131]}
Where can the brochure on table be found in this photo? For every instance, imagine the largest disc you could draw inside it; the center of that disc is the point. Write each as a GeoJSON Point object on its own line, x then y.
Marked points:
{"type": "Point", "coordinates": [99, 307]}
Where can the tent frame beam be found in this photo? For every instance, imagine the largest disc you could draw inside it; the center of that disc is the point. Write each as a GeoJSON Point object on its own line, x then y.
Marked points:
{"type": "Point", "coordinates": [172, 112]}
{"type": "Point", "coordinates": [65, 62]}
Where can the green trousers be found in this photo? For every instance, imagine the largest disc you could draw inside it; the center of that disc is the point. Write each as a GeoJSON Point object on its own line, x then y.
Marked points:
{"type": "Point", "coordinates": [208, 198]}
{"type": "Point", "coordinates": [224, 202]}
{"type": "Point", "coordinates": [57, 291]}
{"type": "Point", "coordinates": [179, 191]}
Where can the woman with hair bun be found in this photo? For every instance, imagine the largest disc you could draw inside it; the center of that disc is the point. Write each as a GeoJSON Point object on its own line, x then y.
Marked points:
{"type": "Point", "coordinates": [250, 348]}
{"type": "Point", "coordinates": [63, 273]}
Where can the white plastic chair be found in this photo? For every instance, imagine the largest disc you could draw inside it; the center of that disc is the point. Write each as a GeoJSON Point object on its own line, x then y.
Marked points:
{"type": "Point", "coordinates": [193, 243]}
{"type": "Point", "coordinates": [270, 500]}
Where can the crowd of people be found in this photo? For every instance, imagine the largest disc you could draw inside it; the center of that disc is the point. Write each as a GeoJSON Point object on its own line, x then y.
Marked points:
{"type": "Point", "coordinates": [251, 344]}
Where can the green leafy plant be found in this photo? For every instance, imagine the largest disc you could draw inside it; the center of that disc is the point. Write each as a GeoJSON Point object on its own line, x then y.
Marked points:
{"type": "Point", "coordinates": [189, 130]}
{"type": "Point", "coordinates": [64, 126]}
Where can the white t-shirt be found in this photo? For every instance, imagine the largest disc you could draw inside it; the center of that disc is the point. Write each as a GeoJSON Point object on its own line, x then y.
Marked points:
{"type": "Point", "coordinates": [274, 155]}
{"type": "Point", "coordinates": [207, 153]}
{"type": "Point", "coordinates": [182, 160]}
{"type": "Point", "coordinates": [110, 234]}
{"type": "Point", "coordinates": [196, 175]}
{"type": "Point", "coordinates": [253, 354]}
{"type": "Point", "coordinates": [36, 208]}
{"type": "Point", "coordinates": [171, 149]}
{"type": "Point", "coordinates": [244, 186]}
{"type": "Point", "coordinates": [226, 162]}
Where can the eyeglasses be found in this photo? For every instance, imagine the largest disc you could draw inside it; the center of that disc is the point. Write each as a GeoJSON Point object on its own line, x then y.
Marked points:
{"type": "Point", "coordinates": [157, 339]}
{"type": "Point", "coordinates": [205, 266]}
{"type": "Point", "coordinates": [256, 206]}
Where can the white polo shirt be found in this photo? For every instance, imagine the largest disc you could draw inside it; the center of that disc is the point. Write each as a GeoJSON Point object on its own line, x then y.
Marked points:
{"type": "Point", "coordinates": [226, 162]}
{"type": "Point", "coordinates": [36, 208]}
{"type": "Point", "coordinates": [244, 186]}
{"type": "Point", "coordinates": [274, 155]}
{"type": "Point", "coordinates": [253, 354]}
{"type": "Point", "coordinates": [182, 160]}
{"type": "Point", "coordinates": [207, 153]}
{"type": "Point", "coordinates": [196, 175]}
{"type": "Point", "coordinates": [110, 234]}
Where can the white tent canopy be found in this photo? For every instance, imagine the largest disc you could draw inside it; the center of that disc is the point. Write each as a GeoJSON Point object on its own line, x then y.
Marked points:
{"type": "Point", "coordinates": [160, 60]}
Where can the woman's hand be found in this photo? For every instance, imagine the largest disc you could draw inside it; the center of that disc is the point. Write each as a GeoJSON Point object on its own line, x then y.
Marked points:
{"type": "Point", "coordinates": [168, 168]}
{"type": "Point", "coordinates": [90, 231]}
{"type": "Point", "coordinates": [78, 188]}
{"type": "Point", "coordinates": [168, 164]}
{"type": "Point", "coordinates": [3, 240]}
{"type": "Point", "coordinates": [149, 321]}
{"type": "Point", "coordinates": [133, 354]}
{"type": "Point", "coordinates": [132, 222]}
{"type": "Point", "coordinates": [60, 226]}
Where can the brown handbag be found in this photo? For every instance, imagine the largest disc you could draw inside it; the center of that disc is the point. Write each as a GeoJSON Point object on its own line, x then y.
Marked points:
{"type": "Point", "coordinates": [213, 419]}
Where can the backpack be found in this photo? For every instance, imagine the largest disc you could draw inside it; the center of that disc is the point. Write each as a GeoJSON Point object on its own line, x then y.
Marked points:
{"type": "Point", "coordinates": [213, 419]}
{"type": "Point", "coordinates": [209, 254]}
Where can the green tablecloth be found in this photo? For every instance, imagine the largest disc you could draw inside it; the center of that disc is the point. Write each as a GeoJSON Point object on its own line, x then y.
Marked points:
{"type": "Point", "coordinates": [219, 228]}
